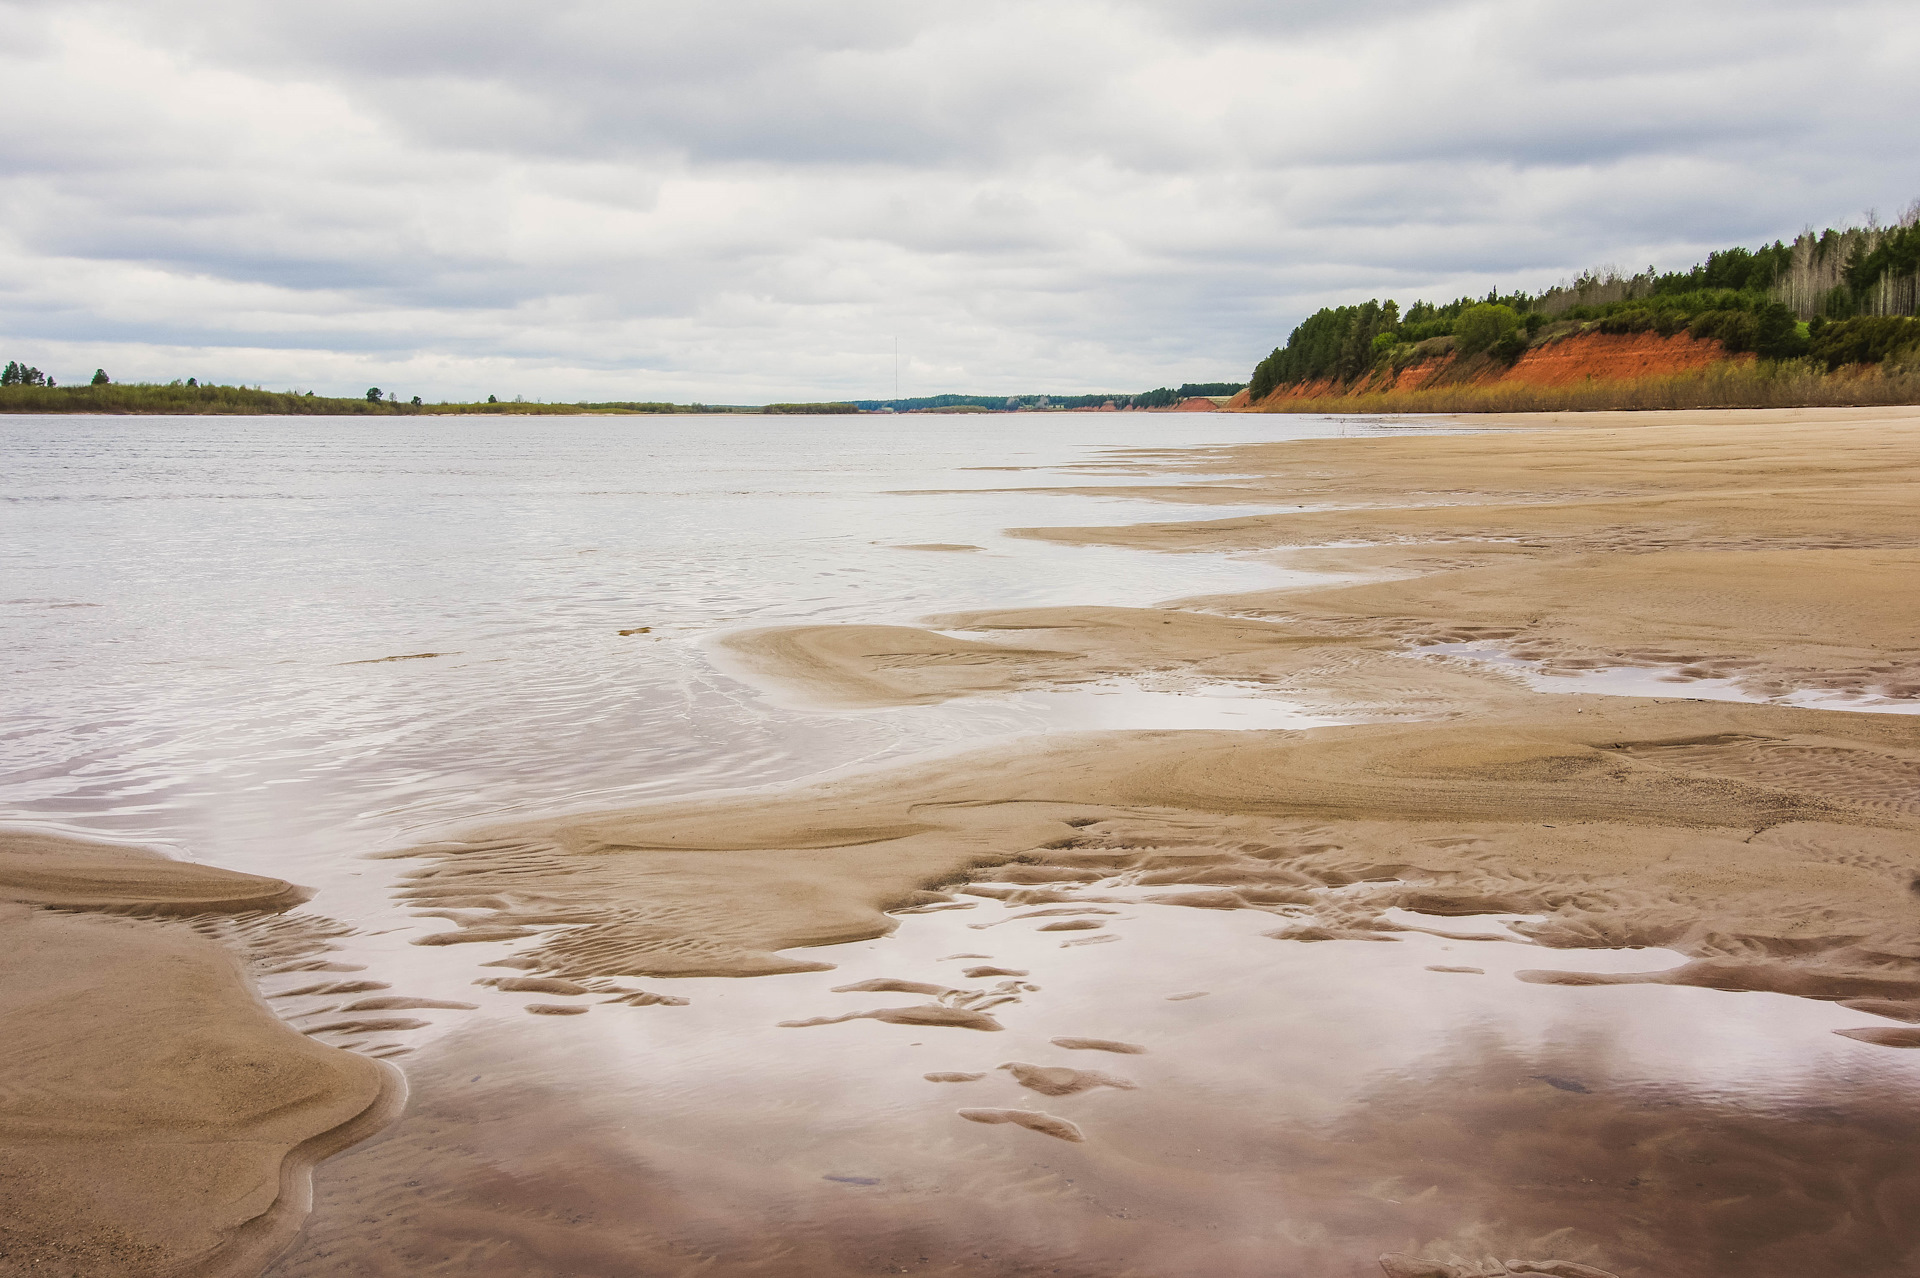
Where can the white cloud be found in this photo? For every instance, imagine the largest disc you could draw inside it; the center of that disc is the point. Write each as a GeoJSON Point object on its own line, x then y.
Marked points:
{"type": "Point", "coordinates": [748, 200]}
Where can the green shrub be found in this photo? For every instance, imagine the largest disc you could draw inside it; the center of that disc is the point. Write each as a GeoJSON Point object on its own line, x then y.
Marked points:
{"type": "Point", "coordinates": [1865, 339]}
{"type": "Point", "coordinates": [1777, 333]}
{"type": "Point", "coordinates": [1480, 327]}
{"type": "Point", "coordinates": [1735, 330]}
{"type": "Point", "coordinates": [1510, 347]}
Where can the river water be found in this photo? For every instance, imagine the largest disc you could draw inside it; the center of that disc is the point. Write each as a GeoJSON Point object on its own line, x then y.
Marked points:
{"type": "Point", "coordinates": [229, 632]}
{"type": "Point", "coordinates": [280, 644]}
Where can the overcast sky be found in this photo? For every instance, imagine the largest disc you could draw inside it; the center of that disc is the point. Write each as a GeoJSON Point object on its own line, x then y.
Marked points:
{"type": "Point", "coordinates": [744, 200]}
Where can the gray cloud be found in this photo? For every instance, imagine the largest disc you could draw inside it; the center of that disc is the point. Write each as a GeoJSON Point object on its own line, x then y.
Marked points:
{"type": "Point", "coordinates": [750, 199]}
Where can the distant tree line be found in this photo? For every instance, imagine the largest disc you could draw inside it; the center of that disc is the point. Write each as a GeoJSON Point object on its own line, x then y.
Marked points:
{"type": "Point", "coordinates": [1842, 297]}
{"type": "Point", "coordinates": [1164, 397]}
{"type": "Point", "coordinates": [26, 390]}
{"type": "Point", "coordinates": [17, 374]}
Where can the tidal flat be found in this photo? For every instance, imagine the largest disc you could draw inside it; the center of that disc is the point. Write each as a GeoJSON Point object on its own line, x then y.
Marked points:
{"type": "Point", "coordinates": [640, 851]}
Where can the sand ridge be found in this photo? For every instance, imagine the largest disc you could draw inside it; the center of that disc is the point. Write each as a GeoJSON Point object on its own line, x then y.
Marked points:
{"type": "Point", "coordinates": [1646, 800]}
{"type": "Point", "coordinates": [1780, 552]}
{"type": "Point", "coordinates": [1705, 827]}
{"type": "Point", "coordinates": [1358, 674]}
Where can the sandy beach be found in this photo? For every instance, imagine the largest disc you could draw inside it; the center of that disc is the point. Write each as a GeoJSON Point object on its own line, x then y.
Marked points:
{"type": "Point", "coordinates": [159, 1118]}
{"type": "Point", "coordinates": [1491, 811]}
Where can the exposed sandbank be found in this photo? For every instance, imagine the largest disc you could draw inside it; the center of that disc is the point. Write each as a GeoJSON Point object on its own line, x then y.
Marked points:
{"type": "Point", "coordinates": [157, 1117]}
{"type": "Point", "coordinates": [1778, 550]}
{"type": "Point", "coordinates": [1705, 827]}
{"type": "Point", "coordinates": [1806, 579]}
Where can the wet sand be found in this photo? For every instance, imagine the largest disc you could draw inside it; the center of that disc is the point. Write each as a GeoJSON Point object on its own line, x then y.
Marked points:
{"type": "Point", "coordinates": [1700, 848]}
{"type": "Point", "coordinates": [1490, 980]}
{"type": "Point", "coordinates": [1705, 827]}
{"type": "Point", "coordinates": [158, 1118]}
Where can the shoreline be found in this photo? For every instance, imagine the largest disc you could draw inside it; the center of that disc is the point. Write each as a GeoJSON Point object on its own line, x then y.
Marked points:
{"type": "Point", "coordinates": [159, 1116]}
{"type": "Point", "coordinates": [1773, 848]}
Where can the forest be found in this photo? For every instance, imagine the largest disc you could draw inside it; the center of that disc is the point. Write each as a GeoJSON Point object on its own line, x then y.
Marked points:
{"type": "Point", "coordinates": [1843, 297]}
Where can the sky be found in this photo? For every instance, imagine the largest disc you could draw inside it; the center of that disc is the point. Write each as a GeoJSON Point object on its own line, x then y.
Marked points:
{"type": "Point", "coordinates": [740, 201]}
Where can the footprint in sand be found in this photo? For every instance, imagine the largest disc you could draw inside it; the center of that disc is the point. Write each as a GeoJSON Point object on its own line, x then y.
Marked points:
{"type": "Point", "coordinates": [952, 1076]}
{"type": "Point", "coordinates": [1058, 1080]}
{"type": "Point", "coordinates": [1471, 971]}
{"type": "Point", "coordinates": [1089, 940]}
{"type": "Point", "coordinates": [1099, 1045]}
{"type": "Point", "coordinates": [976, 973]}
{"type": "Point", "coordinates": [1071, 925]}
{"type": "Point", "coordinates": [556, 1009]}
{"type": "Point", "coordinates": [1032, 1120]}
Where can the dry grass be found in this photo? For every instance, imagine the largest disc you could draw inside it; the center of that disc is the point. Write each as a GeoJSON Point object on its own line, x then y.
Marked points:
{"type": "Point", "coordinates": [1727, 385]}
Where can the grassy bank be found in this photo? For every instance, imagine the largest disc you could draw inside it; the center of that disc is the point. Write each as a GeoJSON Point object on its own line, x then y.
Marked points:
{"type": "Point", "coordinates": [1791, 384]}
{"type": "Point", "coordinates": [180, 399]}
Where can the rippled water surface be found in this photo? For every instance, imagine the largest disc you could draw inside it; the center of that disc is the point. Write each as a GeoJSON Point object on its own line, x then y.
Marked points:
{"type": "Point", "coordinates": [324, 632]}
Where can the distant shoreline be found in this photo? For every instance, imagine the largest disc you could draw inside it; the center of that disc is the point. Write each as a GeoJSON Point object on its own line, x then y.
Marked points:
{"type": "Point", "coordinates": [139, 399]}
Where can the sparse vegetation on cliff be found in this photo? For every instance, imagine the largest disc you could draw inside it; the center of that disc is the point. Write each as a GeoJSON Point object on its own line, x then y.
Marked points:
{"type": "Point", "coordinates": [1840, 298]}
{"type": "Point", "coordinates": [1749, 384]}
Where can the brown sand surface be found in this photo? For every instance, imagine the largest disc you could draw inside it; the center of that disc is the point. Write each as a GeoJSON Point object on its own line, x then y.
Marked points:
{"type": "Point", "coordinates": [1780, 551]}
{"type": "Point", "coordinates": [1775, 850]}
{"type": "Point", "coordinates": [860, 666]}
{"type": "Point", "coordinates": [1525, 457]}
{"type": "Point", "coordinates": [55, 870]}
{"type": "Point", "coordinates": [155, 1116]}
{"type": "Point", "coordinates": [1705, 827]}
{"type": "Point", "coordinates": [1774, 621]}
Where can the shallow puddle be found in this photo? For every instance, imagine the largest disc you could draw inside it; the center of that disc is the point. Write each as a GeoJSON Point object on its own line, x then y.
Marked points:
{"type": "Point", "coordinates": [1656, 681]}
{"type": "Point", "coordinates": [1224, 1104]}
